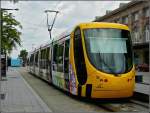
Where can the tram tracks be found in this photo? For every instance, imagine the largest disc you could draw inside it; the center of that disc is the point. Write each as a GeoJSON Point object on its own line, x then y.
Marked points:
{"type": "Point", "coordinates": [125, 105]}
{"type": "Point", "coordinates": [128, 106]}
{"type": "Point", "coordinates": [144, 104]}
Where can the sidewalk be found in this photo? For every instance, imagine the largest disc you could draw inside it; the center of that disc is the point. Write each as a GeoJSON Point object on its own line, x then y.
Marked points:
{"type": "Point", "coordinates": [19, 96]}
{"type": "Point", "coordinates": [143, 87]}
{"type": "Point", "coordinates": [146, 76]}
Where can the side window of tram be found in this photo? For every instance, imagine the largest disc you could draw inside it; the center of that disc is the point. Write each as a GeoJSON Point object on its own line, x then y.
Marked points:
{"type": "Point", "coordinates": [47, 57]}
{"type": "Point", "coordinates": [66, 57]}
{"type": "Point", "coordinates": [44, 58]}
{"type": "Point", "coordinates": [31, 60]}
{"type": "Point", "coordinates": [54, 65]}
{"type": "Point", "coordinates": [58, 58]}
{"type": "Point", "coordinates": [36, 58]}
{"type": "Point", "coordinates": [41, 59]}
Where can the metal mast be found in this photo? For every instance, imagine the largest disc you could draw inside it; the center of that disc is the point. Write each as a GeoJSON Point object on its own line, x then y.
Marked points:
{"type": "Point", "coordinates": [50, 26]}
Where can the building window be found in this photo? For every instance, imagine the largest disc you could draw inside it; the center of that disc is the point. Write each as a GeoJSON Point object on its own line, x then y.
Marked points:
{"type": "Point", "coordinates": [147, 33]}
{"type": "Point", "coordinates": [146, 12]}
{"type": "Point", "coordinates": [136, 16]}
{"type": "Point", "coordinates": [136, 36]}
{"type": "Point", "coordinates": [125, 20]}
{"type": "Point", "coordinates": [117, 20]}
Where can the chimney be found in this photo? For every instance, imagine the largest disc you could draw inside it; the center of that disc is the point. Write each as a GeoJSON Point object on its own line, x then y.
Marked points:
{"type": "Point", "coordinates": [108, 11]}
{"type": "Point", "coordinates": [97, 17]}
{"type": "Point", "coordinates": [122, 4]}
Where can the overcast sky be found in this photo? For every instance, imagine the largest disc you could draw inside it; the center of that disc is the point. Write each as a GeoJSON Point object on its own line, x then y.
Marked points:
{"type": "Point", "coordinates": [33, 19]}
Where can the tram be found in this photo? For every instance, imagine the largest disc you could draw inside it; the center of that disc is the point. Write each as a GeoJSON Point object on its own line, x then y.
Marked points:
{"type": "Point", "coordinates": [94, 60]}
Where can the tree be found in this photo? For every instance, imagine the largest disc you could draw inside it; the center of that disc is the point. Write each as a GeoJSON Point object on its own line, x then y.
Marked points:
{"type": "Point", "coordinates": [23, 54]}
{"type": "Point", "coordinates": [10, 33]}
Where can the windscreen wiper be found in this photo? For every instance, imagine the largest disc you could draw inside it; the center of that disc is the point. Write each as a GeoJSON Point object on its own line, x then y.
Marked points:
{"type": "Point", "coordinates": [111, 70]}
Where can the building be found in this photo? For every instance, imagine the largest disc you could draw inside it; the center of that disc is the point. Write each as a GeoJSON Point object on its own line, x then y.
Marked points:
{"type": "Point", "coordinates": [136, 15]}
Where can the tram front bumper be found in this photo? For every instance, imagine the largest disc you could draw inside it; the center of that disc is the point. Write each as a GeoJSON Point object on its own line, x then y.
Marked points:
{"type": "Point", "coordinates": [111, 93]}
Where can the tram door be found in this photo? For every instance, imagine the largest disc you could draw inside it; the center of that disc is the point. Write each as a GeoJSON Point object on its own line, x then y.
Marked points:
{"type": "Point", "coordinates": [66, 64]}
{"type": "Point", "coordinates": [79, 58]}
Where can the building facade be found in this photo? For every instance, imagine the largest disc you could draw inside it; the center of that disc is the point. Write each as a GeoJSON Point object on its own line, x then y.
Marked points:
{"type": "Point", "coordinates": [136, 15]}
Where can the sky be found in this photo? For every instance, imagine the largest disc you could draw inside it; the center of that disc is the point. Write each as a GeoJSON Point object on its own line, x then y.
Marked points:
{"type": "Point", "coordinates": [32, 17]}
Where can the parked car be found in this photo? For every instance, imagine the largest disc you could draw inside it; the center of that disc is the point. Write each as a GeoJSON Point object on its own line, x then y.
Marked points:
{"type": "Point", "coordinates": [143, 67]}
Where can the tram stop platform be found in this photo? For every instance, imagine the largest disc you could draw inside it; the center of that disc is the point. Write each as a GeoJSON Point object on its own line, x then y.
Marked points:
{"type": "Point", "coordinates": [143, 87]}
{"type": "Point", "coordinates": [18, 96]}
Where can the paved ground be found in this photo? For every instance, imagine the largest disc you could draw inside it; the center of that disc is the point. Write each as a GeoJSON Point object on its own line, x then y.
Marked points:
{"type": "Point", "coordinates": [19, 96]}
{"type": "Point", "coordinates": [146, 76]}
{"type": "Point", "coordinates": [143, 87]}
{"type": "Point", "coordinates": [57, 100]}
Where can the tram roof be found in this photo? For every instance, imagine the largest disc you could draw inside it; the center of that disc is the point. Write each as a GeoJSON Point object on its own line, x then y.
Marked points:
{"type": "Point", "coordinates": [103, 25]}
{"type": "Point", "coordinates": [82, 25]}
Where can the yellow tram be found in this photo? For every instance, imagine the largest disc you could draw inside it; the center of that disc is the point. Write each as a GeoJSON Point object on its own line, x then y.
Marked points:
{"type": "Point", "coordinates": [94, 60]}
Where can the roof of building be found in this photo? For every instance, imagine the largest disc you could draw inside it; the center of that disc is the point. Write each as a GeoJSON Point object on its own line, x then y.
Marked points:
{"type": "Point", "coordinates": [122, 8]}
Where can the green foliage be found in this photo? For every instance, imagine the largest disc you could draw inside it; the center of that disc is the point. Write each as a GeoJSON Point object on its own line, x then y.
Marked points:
{"type": "Point", "coordinates": [10, 33]}
{"type": "Point", "coordinates": [23, 54]}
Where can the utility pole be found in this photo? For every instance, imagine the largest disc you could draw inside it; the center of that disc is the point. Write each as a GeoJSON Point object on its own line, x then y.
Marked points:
{"type": "Point", "coordinates": [50, 27]}
{"type": "Point", "coordinates": [3, 55]}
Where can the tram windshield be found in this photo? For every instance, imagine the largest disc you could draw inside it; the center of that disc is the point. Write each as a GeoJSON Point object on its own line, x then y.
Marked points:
{"type": "Point", "coordinates": [109, 50]}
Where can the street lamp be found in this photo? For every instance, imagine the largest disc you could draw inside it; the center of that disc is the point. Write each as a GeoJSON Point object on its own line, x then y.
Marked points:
{"type": "Point", "coordinates": [50, 27]}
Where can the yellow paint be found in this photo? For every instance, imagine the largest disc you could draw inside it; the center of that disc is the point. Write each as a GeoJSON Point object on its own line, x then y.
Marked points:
{"type": "Point", "coordinates": [116, 87]}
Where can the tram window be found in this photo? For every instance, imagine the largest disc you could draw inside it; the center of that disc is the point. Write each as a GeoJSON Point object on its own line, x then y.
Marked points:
{"type": "Point", "coordinates": [66, 57]}
{"type": "Point", "coordinates": [59, 57]}
{"type": "Point", "coordinates": [27, 61]}
{"type": "Point", "coordinates": [47, 53]}
{"type": "Point", "coordinates": [47, 57]}
{"type": "Point", "coordinates": [44, 58]}
{"type": "Point", "coordinates": [54, 57]}
{"type": "Point", "coordinates": [36, 58]}
{"type": "Point", "coordinates": [32, 60]}
{"type": "Point", "coordinates": [40, 58]}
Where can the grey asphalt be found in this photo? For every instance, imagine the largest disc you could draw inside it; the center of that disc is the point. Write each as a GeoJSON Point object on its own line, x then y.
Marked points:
{"type": "Point", "coordinates": [19, 96]}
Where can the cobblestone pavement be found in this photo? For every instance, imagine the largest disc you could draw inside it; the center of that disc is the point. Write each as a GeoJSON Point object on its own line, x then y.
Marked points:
{"type": "Point", "coordinates": [19, 96]}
